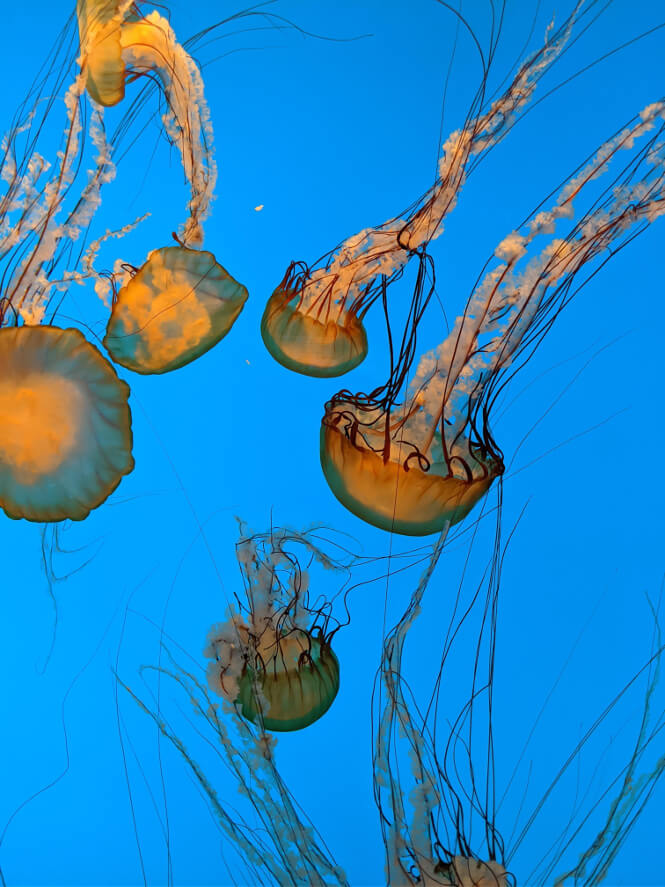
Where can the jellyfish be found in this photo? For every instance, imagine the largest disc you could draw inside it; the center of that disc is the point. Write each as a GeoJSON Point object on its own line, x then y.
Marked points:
{"type": "Point", "coordinates": [313, 321]}
{"type": "Point", "coordinates": [273, 657]}
{"type": "Point", "coordinates": [100, 22]}
{"type": "Point", "coordinates": [66, 437]}
{"type": "Point", "coordinates": [414, 466]}
{"type": "Point", "coordinates": [443, 830]}
{"type": "Point", "coordinates": [271, 671]}
{"type": "Point", "coordinates": [180, 302]}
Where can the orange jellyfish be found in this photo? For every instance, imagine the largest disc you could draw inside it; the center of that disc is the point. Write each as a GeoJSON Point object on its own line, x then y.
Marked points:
{"type": "Point", "coordinates": [289, 680]}
{"type": "Point", "coordinates": [181, 302]}
{"type": "Point", "coordinates": [178, 305]}
{"type": "Point", "coordinates": [273, 659]}
{"type": "Point", "coordinates": [65, 428]}
{"type": "Point", "coordinates": [313, 321]}
{"type": "Point", "coordinates": [419, 464]}
{"type": "Point", "coordinates": [99, 35]}
{"type": "Point", "coordinates": [66, 435]}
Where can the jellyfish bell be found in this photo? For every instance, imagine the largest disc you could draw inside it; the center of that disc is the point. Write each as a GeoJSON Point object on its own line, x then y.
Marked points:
{"type": "Point", "coordinates": [401, 490]}
{"type": "Point", "coordinates": [279, 681]}
{"type": "Point", "coordinates": [310, 339]}
{"type": "Point", "coordinates": [178, 305]}
{"type": "Point", "coordinates": [100, 23]}
{"type": "Point", "coordinates": [292, 689]}
{"type": "Point", "coordinates": [65, 439]}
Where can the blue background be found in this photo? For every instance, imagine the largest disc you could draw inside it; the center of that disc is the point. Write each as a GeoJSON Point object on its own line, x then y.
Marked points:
{"type": "Point", "coordinates": [332, 136]}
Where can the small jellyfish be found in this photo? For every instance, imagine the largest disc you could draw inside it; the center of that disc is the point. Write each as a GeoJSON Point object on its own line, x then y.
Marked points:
{"type": "Point", "coordinates": [273, 658]}
{"type": "Point", "coordinates": [412, 466]}
{"type": "Point", "coordinates": [66, 439]}
{"type": "Point", "coordinates": [313, 321]}
{"type": "Point", "coordinates": [323, 345]}
{"type": "Point", "coordinates": [237, 706]}
{"type": "Point", "coordinates": [178, 305]}
{"type": "Point", "coordinates": [99, 24]}
{"type": "Point", "coordinates": [286, 680]}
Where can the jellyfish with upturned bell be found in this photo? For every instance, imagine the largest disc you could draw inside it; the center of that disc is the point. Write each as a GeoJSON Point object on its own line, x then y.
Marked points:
{"type": "Point", "coordinates": [411, 458]}
{"type": "Point", "coordinates": [172, 310]}
{"type": "Point", "coordinates": [181, 301]}
{"type": "Point", "coordinates": [273, 657]}
{"type": "Point", "coordinates": [313, 322]}
{"type": "Point", "coordinates": [65, 438]}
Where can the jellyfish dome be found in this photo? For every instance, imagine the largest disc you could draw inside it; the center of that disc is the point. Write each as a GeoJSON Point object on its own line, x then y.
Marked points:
{"type": "Point", "coordinates": [178, 305]}
{"type": "Point", "coordinates": [294, 687]}
{"type": "Point", "coordinates": [279, 682]}
{"type": "Point", "coordinates": [397, 488]}
{"type": "Point", "coordinates": [100, 24]}
{"type": "Point", "coordinates": [66, 436]}
{"type": "Point", "coordinates": [317, 340]}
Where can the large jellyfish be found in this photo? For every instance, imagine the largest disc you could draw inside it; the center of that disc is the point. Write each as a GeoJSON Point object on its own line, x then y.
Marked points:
{"type": "Point", "coordinates": [412, 467]}
{"type": "Point", "coordinates": [66, 441]}
{"type": "Point", "coordinates": [66, 437]}
{"type": "Point", "coordinates": [313, 322]}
